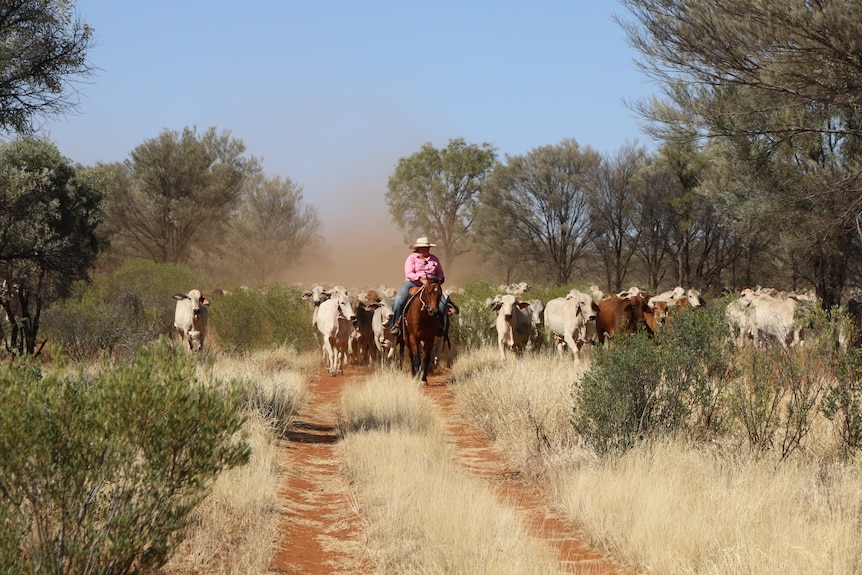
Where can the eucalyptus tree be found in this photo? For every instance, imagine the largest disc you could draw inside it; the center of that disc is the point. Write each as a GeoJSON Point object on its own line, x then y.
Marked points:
{"type": "Point", "coordinates": [175, 194]}
{"type": "Point", "coordinates": [434, 192]}
{"type": "Point", "coordinates": [654, 221]}
{"type": "Point", "coordinates": [48, 219]}
{"type": "Point", "coordinates": [613, 214]}
{"type": "Point", "coordinates": [268, 232]}
{"type": "Point", "coordinates": [781, 84]}
{"type": "Point", "coordinates": [537, 204]}
{"type": "Point", "coordinates": [43, 49]}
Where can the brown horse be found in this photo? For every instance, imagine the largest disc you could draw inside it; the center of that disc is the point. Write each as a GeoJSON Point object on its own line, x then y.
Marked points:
{"type": "Point", "coordinates": [420, 323]}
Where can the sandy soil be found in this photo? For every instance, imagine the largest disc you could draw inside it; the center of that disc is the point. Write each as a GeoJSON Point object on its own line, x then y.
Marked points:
{"type": "Point", "coordinates": [322, 531]}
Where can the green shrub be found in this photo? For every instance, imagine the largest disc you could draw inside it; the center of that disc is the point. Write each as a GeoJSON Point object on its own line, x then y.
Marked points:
{"type": "Point", "coordinates": [117, 312]}
{"type": "Point", "coordinates": [473, 327]}
{"type": "Point", "coordinates": [698, 361]}
{"type": "Point", "coordinates": [616, 402]}
{"type": "Point", "coordinates": [100, 472]}
{"type": "Point", "coordinates": [842, 404]}
{"type": "Point", "coordinates": [639, 386]}
{"type": "Point", "coordinates": [248, 320]}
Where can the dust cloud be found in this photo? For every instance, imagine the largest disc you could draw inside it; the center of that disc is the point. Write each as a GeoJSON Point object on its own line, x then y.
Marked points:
{"type": "Point", "coordinates": [363, 249]}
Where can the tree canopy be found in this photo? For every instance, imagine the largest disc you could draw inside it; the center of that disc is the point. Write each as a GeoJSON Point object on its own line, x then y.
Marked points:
{"type": "Point", "coordinates": [779, 84]}
{"type": "Point", "coordinates": [174, 196]}
{"type": "Point", "coordinates": [269, 230]}
{"type": "Point", "coordinates": [434, 192]}
{"type": "Point", "coordinates": [43, 47]}
{"type": "Point", "coordinates": [538, 203]}
{"type": "Point", "coordinates": [48, 220]}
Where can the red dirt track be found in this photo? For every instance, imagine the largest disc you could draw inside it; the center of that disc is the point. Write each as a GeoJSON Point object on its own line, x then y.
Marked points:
{"type": "Point", "coordinates": [322, 532]}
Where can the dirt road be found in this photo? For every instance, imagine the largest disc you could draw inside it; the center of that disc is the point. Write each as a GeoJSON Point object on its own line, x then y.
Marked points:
{"type": "Point", "coordinates": [323, 534]}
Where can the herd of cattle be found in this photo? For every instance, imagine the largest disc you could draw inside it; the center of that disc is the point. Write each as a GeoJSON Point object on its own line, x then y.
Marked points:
{"type": "Point", "coordinates": [355, 328]}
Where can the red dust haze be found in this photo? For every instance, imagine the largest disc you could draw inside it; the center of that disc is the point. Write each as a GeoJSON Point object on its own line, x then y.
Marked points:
{"type": "Point", "coordinates": [369, 251]}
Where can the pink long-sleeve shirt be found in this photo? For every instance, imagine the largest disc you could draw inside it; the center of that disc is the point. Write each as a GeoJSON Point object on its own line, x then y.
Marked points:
{"type": "Point", "coordinates": [416, 267]}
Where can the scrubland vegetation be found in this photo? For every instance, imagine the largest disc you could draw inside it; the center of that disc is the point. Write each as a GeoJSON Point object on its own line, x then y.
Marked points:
{"type": "Point", "coordinates": [674, 454]}
{"type": "Point", "coordinates": [768, 483]}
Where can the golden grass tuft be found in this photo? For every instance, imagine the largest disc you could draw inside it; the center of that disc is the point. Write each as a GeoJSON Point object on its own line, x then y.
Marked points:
{"type": "Point", "coordinates": [525, 403]}
{"type": "Point", "coordinates": [387, 401]}
{"type": "Point", "coordinates": [680, 509]}
{"type": "Point", "coordinates": [236, 530]}
{"type": "Point", "coordinates": [274, 381]}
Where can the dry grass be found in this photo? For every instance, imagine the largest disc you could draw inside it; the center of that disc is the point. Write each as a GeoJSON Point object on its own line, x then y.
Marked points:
{"type": "Point", "coordinates": [671, 508]}
{"type": "Point", "coordinates": [524, 403]}
{"type": "Point", "coordinates": [236, 530]}
{"type": "Point", "coordinates": [677, 509]}
{"type": "Point", "coordinates": [423, 514]}
{"type": "Point", "coordinates": [274, 381]}
{"type": "Point", "coordinates": [388, 402]}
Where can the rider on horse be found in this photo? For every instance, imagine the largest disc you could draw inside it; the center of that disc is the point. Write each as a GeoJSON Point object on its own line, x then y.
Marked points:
{"type": "Point", "coordinates": [420, 268]}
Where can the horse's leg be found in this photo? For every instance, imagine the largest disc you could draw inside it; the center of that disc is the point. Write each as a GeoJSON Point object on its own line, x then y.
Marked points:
{"type": "Point", "coordinates": [427, 351]}
{"type": "Point", "coordinates": [415, 358]}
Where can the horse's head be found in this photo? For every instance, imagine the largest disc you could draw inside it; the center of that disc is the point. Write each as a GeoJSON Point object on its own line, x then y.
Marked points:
{"type": "Point", "coordinates": [430, 297]}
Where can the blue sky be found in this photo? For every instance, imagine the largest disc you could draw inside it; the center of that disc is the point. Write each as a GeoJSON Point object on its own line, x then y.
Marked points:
{"type": "Point", "coordinates": [332, 94]}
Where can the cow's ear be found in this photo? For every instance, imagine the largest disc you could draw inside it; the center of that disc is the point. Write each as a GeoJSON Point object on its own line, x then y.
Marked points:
{"type": "Point", "coordinates": [596, 307]}
{"type": "Point", "coordinates": [205, 300]}
{"type": "Point", "coordinates": [179, 296]}
{"type": "Point", "coordinates": [523, 304]}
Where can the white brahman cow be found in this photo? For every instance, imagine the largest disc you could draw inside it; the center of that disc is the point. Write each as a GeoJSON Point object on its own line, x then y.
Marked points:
{"type": "Point", "coordinates": [381, 322]}
{"type": "Point", "coordinates": [190, 318]}
{"type": "Point", "coordinates": [335, 320]}
{"type": "Point", "coordinates": [514, 323]}
{"type": "Point", "coordinates": [537, 308]}
{"type": "Point", "coordinates": [567, 319]}
{"type": "Point", "coordinates": [317, 294]}
{"type": "Point", "coordinates": [758, 316]}
{"type": "Point", "coordinates": [664, 303]}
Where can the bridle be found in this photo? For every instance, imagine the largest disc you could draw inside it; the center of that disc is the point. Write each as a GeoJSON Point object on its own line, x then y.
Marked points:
{"type": "Point", "coordinates": [423, 295]}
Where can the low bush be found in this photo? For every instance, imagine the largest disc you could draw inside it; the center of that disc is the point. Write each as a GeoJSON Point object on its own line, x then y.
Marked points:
{"type": "Point", "coordinates": [100, 471]}
{"type": "Point", "coordinates": [640, 386]}
{"type": "Point", "coordinates": [117, 312]}
{"type": "Point", "coordinates": [247, 320]}
{"type": "Point", "coordinates": [617, 400]}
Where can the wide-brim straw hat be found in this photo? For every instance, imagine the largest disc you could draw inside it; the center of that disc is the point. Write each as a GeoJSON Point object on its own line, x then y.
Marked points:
{"type": "Point", "coordinates": [422, 243]}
